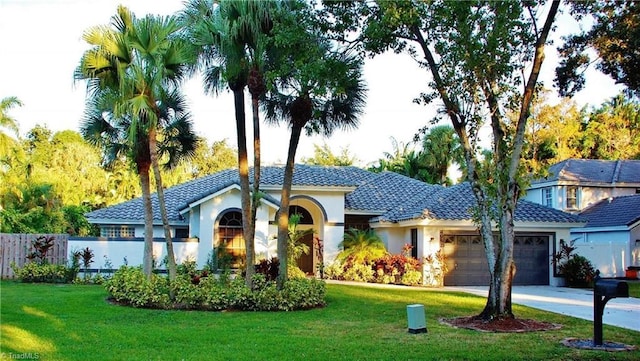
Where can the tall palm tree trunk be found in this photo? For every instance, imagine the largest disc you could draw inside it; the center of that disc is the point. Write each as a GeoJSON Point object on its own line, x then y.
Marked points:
{"type": "Point", "coordinates": [153, 151]}
{"type": "Point", "coordinates": [145, 184]}
{"type": "Point", "coordinates": [245, 191]}
{"type": "Point", "coordinates": [283, 212]}
{"type": "Point", "coordinates": [255, 199]}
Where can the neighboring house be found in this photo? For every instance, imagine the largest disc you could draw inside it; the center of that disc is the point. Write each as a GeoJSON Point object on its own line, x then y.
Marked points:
{"type": "Point", "coordinates": [611, 237]}
{"type": "Point", "coordinates": [575, 184]}
{"type": "Point", "coordinates": [205, 214]}
{"type": "Point", "coordinates": [603, 192]}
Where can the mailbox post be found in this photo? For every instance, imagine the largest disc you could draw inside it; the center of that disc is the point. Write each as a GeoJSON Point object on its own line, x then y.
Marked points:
{"type": "Point", "coordinates": [603, 291]}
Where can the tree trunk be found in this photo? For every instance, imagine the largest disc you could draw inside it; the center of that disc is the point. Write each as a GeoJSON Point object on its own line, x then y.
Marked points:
{"type": "Point", "coordinates": [255, 199]}
{"type": "Point", "coordinates": [283, 212]}
{"type": "Point", "coordinates": [245, 191]}
{"type": "Point", "coordinates": [145, 184]}
{"type": "Point", "coordinates": [171, 257]}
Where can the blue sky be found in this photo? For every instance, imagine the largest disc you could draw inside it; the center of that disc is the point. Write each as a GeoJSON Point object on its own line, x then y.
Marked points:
{"type": "Point", "coordinates": [41, 46]}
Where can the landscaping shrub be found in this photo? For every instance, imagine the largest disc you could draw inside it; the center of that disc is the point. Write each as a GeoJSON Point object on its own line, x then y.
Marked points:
{"type": "Point", "coordinates": [358, 273]}
{"type": "Point", "coordinates": [33, 272]}
{"type": "Point", "coordinates": [269, 268]}
{"type": "Point", "coordinates": [577, 270]}
{"type": "Point", "coordinates": [334, 271]}
{"type": "Point", "coordinates": [130, 286]}
{"type": "Point", "coordinates": [294, 272]}
{"type": "Point", "coordinates": [395, 269]}
{"type": "Point", "coordinates": [392, 269]}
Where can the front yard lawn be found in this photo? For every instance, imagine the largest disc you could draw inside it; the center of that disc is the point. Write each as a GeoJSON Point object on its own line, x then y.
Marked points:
{"type": "Point", "coordinates": [74, 322]}
{"type": "Point", "coordinates": [634, 288]}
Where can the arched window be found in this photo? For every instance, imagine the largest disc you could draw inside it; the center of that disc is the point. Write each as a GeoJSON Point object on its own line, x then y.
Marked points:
{"type": "Point", "coordinates": [305, 216]}
{"type": "Point", "coordinates": [231, 248]}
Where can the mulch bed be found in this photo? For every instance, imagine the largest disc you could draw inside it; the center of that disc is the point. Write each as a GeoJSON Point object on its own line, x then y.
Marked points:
{"type": "Point", "coordinates": [500, 325]}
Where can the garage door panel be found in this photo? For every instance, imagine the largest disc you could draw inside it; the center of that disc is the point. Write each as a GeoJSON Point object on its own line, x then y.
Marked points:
{"type": "Point", "coordinates": [467, 264]}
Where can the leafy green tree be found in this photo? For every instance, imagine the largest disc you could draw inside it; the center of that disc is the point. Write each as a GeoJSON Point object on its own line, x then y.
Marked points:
{"type": "Point", "coordinates": [477, 54]}
{"type": "Point", "coordinates": [135, 67]}
{"type": "Point", "coordinates": [553, 134]}
{"type": "Point", "coordinates": [315, 89]}
{"type": "Point", "coordinates": [614, 37]}
{"type": "Point", "coordinates": [323, 155]}
{"type": "Point", "coordinates": [230, 36]}
{"type": "Point", "coordinates": [612, 130]}
{"type": "Point", "coordinates": [207, 159]}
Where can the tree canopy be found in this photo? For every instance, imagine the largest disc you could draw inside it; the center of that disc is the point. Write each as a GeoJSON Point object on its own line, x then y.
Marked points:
{"type": "Point", "coordinates": [614, 37]}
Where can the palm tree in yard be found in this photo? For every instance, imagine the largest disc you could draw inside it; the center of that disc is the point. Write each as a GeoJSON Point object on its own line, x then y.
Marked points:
{"type": "Point", "coordinates": [231, 36]}
{"type": "Point", "coordinates": [317, 90]}
{"type": "Point", "coordinates": [134, 69]}
{"type": "Point", "coordinates": [8, 123]}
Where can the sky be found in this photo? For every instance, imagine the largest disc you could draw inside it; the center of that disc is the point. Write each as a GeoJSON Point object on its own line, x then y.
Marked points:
{"type": "Point", "coordinates": [41, 45]}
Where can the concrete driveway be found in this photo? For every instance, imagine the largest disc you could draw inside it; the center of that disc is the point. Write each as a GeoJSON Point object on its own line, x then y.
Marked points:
{"type": "Point", "coordinates": [621, 312]}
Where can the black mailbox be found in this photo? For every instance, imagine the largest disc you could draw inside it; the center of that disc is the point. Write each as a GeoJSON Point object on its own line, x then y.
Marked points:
{"type": "Point", "coordinates": [611, 288]}
{"type": "Point", "coordinates": [603, 291]}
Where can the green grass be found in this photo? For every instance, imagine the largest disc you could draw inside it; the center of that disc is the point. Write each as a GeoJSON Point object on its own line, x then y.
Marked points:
{"type": "Point", "coordinates": [634, 288]}
{"type": "Point", "coordinates": [72, 322]}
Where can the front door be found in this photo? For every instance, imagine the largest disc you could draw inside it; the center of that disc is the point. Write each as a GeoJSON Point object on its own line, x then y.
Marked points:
{"type": "Point", "coordinates": [305, 262]}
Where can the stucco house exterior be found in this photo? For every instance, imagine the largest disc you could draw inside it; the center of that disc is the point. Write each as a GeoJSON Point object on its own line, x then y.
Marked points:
{"type": "Point", "coordinates": [205, 214]}
{"type": "Point", "coordinates": [606, 194]}
{"type": "Point", "coordinates": [575, 184]}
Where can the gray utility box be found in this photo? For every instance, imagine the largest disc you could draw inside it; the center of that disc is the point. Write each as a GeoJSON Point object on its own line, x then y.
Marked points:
{"type": "Point", "coordinates": [417, 322]}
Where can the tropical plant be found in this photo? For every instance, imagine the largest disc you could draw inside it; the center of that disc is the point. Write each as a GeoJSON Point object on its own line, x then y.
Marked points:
{"type": "Point", "coordinates": [295, 248]}
{"type": "Point", "coordinates": [230, 36]}
{"type": "Point", "coordinates": [8, 123]}
{"type": "Point", "coordinates": [133, 71]}
{"type": "Point", "coordinates": [361, 247]}
{"type": "Point", "coordinates": [577, 270]}
{"type": "Point", "coordinates": [315, 88]}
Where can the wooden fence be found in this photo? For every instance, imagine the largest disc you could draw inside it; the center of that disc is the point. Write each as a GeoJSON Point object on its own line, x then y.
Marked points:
{"type": "Point", "coordinates": [14, 248]}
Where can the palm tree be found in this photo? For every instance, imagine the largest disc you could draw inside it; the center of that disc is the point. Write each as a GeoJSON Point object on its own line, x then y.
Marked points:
{"type": "Point", "coordinates": [143, 62]}
{"type": "Point", "coordinates": [7, 122]}
{"type": "Point", "coordinates": [440, 149]}
{"type": "Point", "coordinates": [361, 247]}
{"type": "Point", "coordinates": [231, 37]}
{"type": "Point", "coordinates": [317, 90]}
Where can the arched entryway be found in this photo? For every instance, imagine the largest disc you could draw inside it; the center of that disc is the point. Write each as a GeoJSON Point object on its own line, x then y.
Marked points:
{"type": "Point", "coordinates": [306, 261]}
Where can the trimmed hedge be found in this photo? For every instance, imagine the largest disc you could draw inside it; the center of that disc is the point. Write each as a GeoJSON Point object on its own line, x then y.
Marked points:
{"type": "Point", "coordinates": [33, 272]}
{"type": "Point", "coordinates": [130, 286]}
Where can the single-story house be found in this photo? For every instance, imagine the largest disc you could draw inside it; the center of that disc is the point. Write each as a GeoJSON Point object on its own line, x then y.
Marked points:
{"type": "Point", "coordinates": [604, 193]}
{"type": "Point", "coordinates": [611, 237]}
{"type": "Point", "coordinates": [204, 214]}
